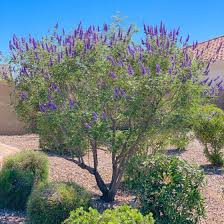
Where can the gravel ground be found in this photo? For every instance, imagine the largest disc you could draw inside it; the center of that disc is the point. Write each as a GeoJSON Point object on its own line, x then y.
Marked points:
{"type": "Point", "coordinates": [213, 191]}
{"type": "Point", "coordinates": [10, 217]}
{"type": "Point", "coordinates": [63, 170]}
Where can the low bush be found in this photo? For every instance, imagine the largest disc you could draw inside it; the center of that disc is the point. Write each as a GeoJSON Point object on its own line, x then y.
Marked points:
{"type": "Point", "coordinates": [168, 187]}
{"type": "Point", "coordinates": [15, 188]}
{"type": "Point", "coordinates": [35, 162]}
{"type": "Point", "coordinates": [120, 215]}
{"type": "Point", "coordinates": [51, 203]}
{"type": "Point", "coordinates": [19, 173]}
{"type": "Point", "coordinates": [209, 129]}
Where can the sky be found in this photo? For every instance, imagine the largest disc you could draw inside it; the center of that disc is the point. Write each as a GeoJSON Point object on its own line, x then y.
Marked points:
{"type": "Point", "coordinates": [201, 19]}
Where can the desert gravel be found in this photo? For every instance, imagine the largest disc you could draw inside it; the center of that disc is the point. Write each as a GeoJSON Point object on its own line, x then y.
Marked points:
{"type": "Point", "coordinates": [64, 170]}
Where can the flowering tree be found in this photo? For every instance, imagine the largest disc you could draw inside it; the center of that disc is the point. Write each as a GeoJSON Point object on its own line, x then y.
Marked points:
{"type": "Point", "coordinates": [102, 90]}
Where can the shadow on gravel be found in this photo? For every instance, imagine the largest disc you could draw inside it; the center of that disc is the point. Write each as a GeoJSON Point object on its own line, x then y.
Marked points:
{"type": "Point", "coordinates": [212, 170]}
{"type": "Point", "coordinates": [175, 152]}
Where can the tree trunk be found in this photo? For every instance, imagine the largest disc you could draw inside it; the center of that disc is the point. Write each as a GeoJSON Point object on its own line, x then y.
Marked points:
{"type": "Point", "coordinates": [109, 195]}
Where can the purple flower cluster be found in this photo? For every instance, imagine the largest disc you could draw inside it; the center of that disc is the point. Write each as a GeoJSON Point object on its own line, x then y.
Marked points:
{"type": "Point", "coordinates": [23, 95]}
{"type": "Point", "coordinates": [112, 74]}
{"type": "Point", "coordinates": [130, 70]}
{"type": "Point", "coordinates": [158, 68]}
{"type": "Point", "coordinates": [71, 104]}
{"type": "Point", "coordinates": [95, 116]}
{"type": "Point", "coordinates": [104, 116]}
{"type": "Point", "coordinates": [89, 125]}
{"type": "Point", "coordinates": [47, 106]}
{"type": "Point", "coordinates": [64, 45]}
{"type": "Point", "coordinates": [119, 92]}
{"type": "Point", "coordinates": [133, 60]}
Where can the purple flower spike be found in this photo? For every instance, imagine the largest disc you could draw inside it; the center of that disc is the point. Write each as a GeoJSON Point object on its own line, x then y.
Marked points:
{"type": "Point", "coordinates": [219, 48]}
{"type": "Point", "coordinates": [95, 116]}
{"type": "Point", "coordinates": [143, 69]}
{"type": "Point", "coordinates": [36, 56]}
{"type": "Point", "coordinates": [188, 37]}
{"type": "Point", "coordinates": [158, 68]}
{"type": "Point", "coordinates": [112, 75]}
{"type": "Point", "coordinates": [34, 44]}
{"type": "Point", "coordinates": [123, 92]}
{"type": "Point", "coordinates": [181, 39]}
{"type": "Point", "coordinates": [105, 27]}
{"type": "Point", "coordinates": [161, 28]}
{"type": "Point", "coordinates": [130, 70]}
{"type": "Point", "coordinates": [116, 92]}
{"type": "Point", "coordinates": [120, 62]}
{"type": "Point", "coordinates": [140, 57]}
{"type": "Point", "coordinates": [59, 57]}
{"type": "Point", "coordinates": [104, 116]}
{"type": "Point", "coordinates": [145, 29]}
{"type": "Point", "coordinates": [51, 106]}
{"type": "Point", "coordinates": [27, 47]}
{"type": "Point", "coordinates": [51, 62]}
{"type": "Point", "coordinates": [210, 83]}
{"type": "Point", "coordinates": [53, 86]}
{"type": "Point", "coordinates": [170, 70]}
{"type": "Point", "coordinates": [42, 108]}
{"type": "Point", "coordinates": [131, 52]}
{"type": "Point", "coordinates": [23, 95]}
{"type": "Point", "coordinates": [87, 125]}
{"type": "Point", "coordinates": [10, 45]}
{"type": "Point", "coordinates": [71, 104]}
{"type": "Point", "coordinates": [148, 46]}
{"type": "Point", "coordinates": [205, 81]}
{"type": "Point", "coordinates": [111, 59]}
{"type": "Point", "coordinates": [129, 30]}
{"type": "Point", "coordinates": [157, 42]}
{"type": "Point", "coordinates": [49, 97]}
{"type": "Point", "coordinates": [220, 83]}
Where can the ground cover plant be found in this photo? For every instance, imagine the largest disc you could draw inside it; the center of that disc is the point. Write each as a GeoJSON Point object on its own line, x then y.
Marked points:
{"type": "Point", "coordinates": [18, 175]}
{"type": "Point", "coordinates": [51, 203]}
{"type": "Point", "coordinates": [168, 187]}
{"type": "Point", "coordinates": [15, 188]}
{"type": "Point", "coordinates": [28, 160]}
{"type": "Point", "coordinates": [96, 88]}
{"type": "Point", "coordinates": [209, 128]}
{"type": "Point", "coordinates": [122, 214]}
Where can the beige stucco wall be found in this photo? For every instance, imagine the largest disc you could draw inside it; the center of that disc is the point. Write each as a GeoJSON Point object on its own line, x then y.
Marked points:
{"type": "Point", "coordinates": [9, 124]}
{"type": "Point", "coordinates": [217, 69]}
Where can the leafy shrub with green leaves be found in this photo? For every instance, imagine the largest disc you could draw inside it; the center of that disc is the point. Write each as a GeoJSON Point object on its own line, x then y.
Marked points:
{"type": "Point", "coordinates": [168, 187]}
{"type": "Point", "coordinates": [119, 215]}
{"type": "Point", "coordinates": [19, 173]}
{"type": "Point", "coordinates": [209, 129]}
{"type": "Point", "coordinates": [29, 160]}
{"type": "Point", "coordinates": [51, 203]}
{"type": "Point", "coordinates": [96, 87]}
{"type": "Point", "coordinates": [15, 188]}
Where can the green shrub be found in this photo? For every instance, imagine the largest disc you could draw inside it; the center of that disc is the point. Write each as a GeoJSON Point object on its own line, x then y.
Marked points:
{"type": "Point", "coordinates": [168, 187]}
{"type": "Point", "coordinates": [209, 129]}
{"type": "Point", "coordinates": [20, 172]}
{"type": "Point", "coordinates": [35, 162]}
{"type": "Point", "coordinates": [100, 90]}
{"type": "Point", "coordinates": [51, 203]}
{"type": "Point", "coordinates": [15, 188]}
{"type": "Point", "coordinates": [120, 215]}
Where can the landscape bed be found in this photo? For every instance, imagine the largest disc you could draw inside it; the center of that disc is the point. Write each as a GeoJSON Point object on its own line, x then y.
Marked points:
{"type": "Point", "coordinates": [63, 170]}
